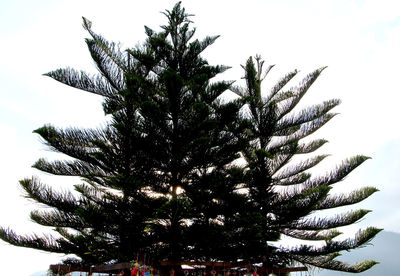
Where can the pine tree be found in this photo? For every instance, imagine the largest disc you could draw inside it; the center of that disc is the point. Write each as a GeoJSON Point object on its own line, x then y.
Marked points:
{"type": "Point", "coordinates": [162, 179]}
{"type": "Point", "coordinates": [168, 133]}
{"type": "Point", "coordinates": [282, 195]}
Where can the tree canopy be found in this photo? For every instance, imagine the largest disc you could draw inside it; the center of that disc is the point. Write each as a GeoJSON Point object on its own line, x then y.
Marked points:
{"type": "Point", "coordinates": [181, 173]}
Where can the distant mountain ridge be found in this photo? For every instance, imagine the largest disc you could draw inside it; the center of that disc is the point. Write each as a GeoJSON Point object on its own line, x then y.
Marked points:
{"type": "Point", "coordinates": [384, 248]}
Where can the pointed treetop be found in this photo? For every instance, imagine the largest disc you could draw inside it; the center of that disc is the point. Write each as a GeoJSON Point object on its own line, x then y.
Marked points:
{"type": "Point", "coordinates": [87, 24]}
{"type": "Point", "coordinates": [177, 15]}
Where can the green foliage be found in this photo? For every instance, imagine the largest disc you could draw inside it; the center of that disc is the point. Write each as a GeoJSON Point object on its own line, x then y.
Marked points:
{"type": "Point", "coordinates": [162, 177]}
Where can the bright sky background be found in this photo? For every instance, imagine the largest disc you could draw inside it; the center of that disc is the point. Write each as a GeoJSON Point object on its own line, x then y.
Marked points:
{"type": "Point", "coordinates": [359, 41]}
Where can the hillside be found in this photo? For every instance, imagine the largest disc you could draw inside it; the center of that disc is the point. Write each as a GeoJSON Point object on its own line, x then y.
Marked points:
{"type": "Point", "coordinates": [384, 249]}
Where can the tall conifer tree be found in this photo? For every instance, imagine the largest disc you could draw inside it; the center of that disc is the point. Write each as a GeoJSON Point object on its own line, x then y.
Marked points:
{"type": "Point", "coordinates": [161, 178]}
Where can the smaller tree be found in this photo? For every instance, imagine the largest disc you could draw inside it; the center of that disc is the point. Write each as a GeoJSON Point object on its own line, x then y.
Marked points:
{"type": "Point", "coordinates": [282, 196]}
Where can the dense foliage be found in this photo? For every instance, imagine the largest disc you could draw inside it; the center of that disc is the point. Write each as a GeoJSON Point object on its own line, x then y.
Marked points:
{"type": "Point", "coordinates": [180, 173]}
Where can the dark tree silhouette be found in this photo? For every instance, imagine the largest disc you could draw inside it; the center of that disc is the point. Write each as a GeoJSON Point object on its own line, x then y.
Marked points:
{"type": "Point", "coordinates": [163, 177]}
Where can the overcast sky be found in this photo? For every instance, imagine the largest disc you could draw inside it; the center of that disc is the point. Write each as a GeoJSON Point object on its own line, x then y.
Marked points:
{"type": "Point", "coordinates": [359, 41]}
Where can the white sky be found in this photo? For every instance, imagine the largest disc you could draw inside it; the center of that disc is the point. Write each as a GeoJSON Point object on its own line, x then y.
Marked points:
{"type": "Point", "coordinates": [359, 41]}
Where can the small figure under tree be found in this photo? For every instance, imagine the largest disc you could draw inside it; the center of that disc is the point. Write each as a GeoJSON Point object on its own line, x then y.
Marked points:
{"type": "Point", "coordinates": [163, 180]}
